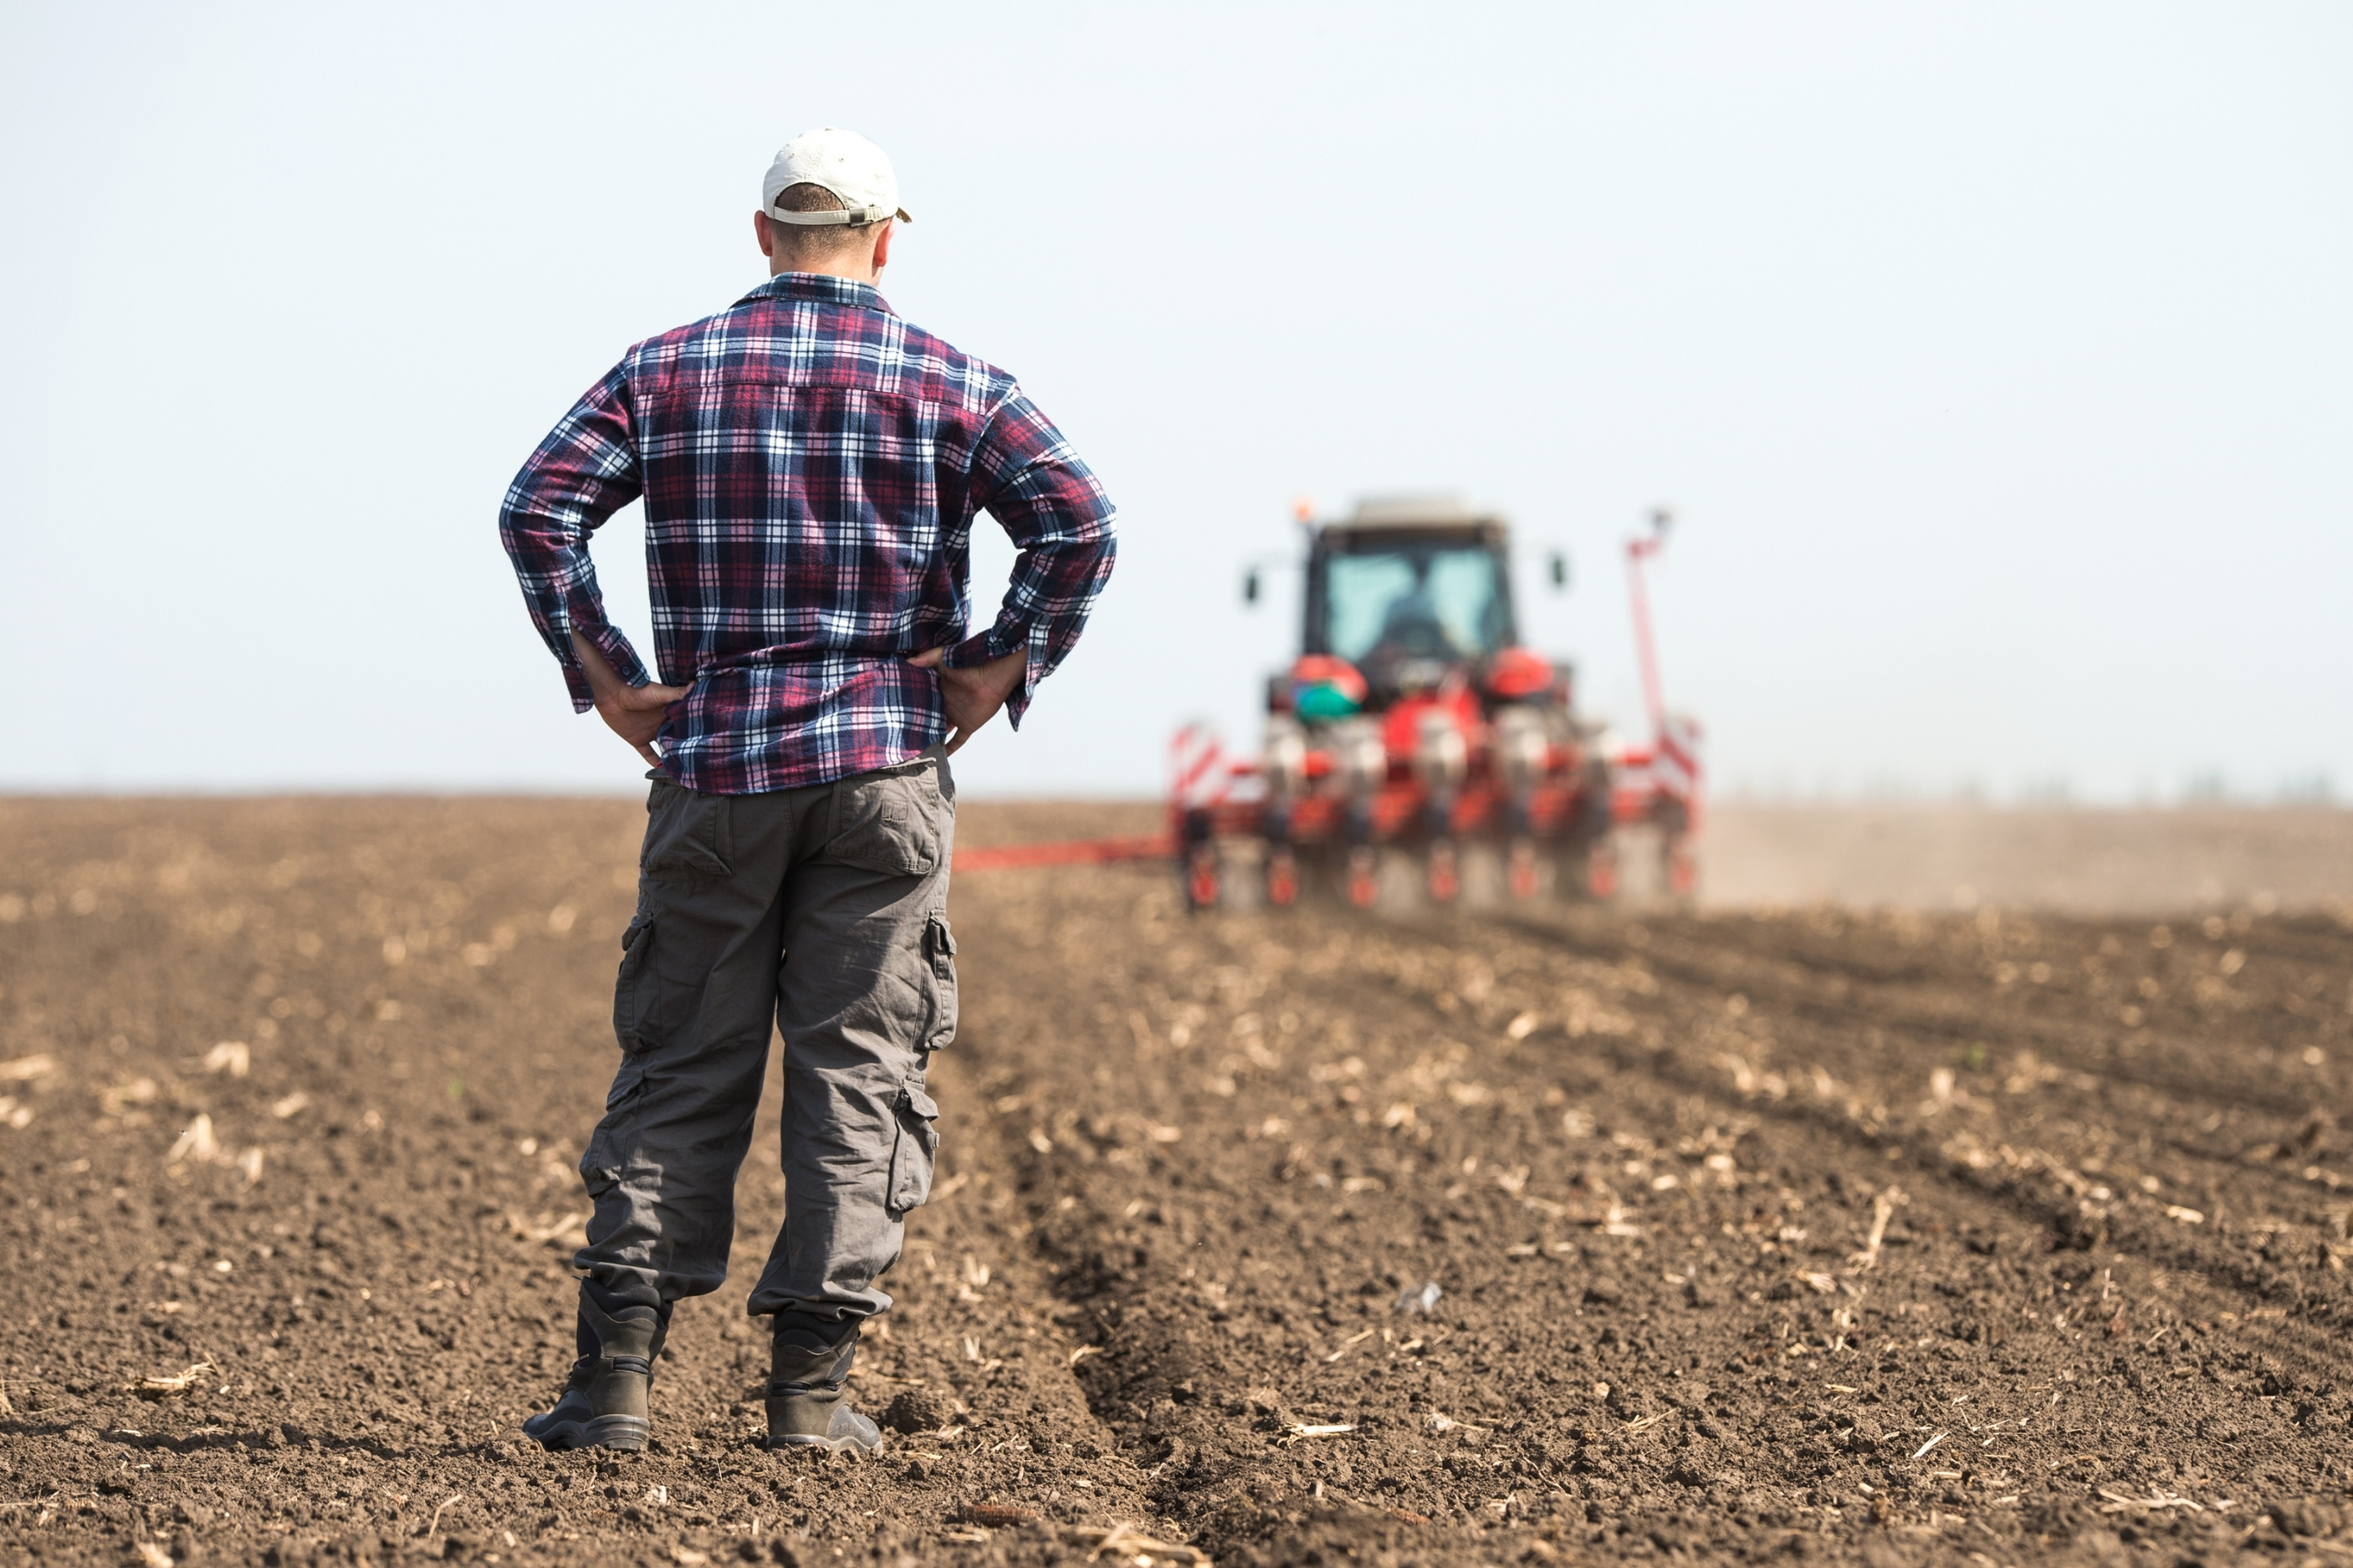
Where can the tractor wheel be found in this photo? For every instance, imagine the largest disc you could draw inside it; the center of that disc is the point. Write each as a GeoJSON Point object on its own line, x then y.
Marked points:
{"type": "Point", "coordinates": [1520, 869]}
{"type": "Point", "coordinates": [1682, 868]}
{"type": "Point", "coordinates": [1201, 876]}
{"type": "Point", "coordinates": [1445, 876]}
{"type": "Point", "coordinates": [1281, 877]}
{"type": "Point", "coordinates": [1601, 872]}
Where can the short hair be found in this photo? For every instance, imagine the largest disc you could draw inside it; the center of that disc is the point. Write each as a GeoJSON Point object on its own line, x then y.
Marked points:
{"type": "Point", "coordinates": [814, 242]}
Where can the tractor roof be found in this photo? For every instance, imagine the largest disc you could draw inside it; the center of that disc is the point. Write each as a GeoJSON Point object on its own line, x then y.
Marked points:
{"type": "Point", "coordinates": [1425, 514]}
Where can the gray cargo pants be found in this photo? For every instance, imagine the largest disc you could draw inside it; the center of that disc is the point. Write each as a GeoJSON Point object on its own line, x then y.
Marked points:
{"type": "Point", "coordinates": [824, 908]}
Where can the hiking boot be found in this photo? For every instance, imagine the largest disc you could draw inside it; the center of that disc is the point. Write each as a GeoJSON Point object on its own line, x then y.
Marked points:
{"type": "Point", "coordinates": [604, 1401]}
{"type": "Point", "coordinates": [808, 1381]}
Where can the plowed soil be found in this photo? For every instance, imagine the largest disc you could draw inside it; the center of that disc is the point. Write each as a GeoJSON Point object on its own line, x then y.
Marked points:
{"type": "Point", "coordinates": [1497, 1236]}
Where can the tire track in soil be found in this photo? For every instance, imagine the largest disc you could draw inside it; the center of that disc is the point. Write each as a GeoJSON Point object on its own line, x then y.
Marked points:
{"type": "Point", "coordinates": [2317, 1296]}
{"type": "Point", "coordinates": [2265, 1168]}
{"type": "Point", "coordinates": [2031, 1291]}
{"type": "Point", "coordinates": [1919, 999]}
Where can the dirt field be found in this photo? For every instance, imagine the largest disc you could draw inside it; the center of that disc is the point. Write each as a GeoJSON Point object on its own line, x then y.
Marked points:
{"type": "Point", "coordinates": [1964, 1237]}
{"type": "Point", "coordinates": [2082, 861]}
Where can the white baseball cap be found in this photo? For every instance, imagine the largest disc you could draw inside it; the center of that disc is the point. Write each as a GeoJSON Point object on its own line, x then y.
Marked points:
{"type": "Point", "coordinates": [843, 161]}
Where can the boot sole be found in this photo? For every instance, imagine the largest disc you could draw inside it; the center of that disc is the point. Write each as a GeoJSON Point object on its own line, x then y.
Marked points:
{"type": "Point", "coordinates": [627, 1433]}
{"type": "Point", "coordinates": [839, 1444]}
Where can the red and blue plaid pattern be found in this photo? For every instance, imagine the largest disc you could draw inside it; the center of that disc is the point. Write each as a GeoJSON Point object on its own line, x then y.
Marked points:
{"type": "Point", "coordinates": [810, 465]}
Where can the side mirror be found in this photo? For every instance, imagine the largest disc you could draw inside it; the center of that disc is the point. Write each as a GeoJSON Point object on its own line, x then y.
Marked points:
{"type": "Point", "coordinates": [1560, 568]}
{"type": "Point", "coordinates": [1250, 586]}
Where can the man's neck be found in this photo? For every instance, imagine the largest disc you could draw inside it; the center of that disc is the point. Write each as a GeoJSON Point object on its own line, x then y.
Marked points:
{"type": "Point", "coordinates": [868, 274]}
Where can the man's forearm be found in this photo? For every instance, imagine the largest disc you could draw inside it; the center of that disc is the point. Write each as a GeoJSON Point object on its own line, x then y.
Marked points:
{"type": "Point", "coordinates": [580, 475]}
{"type": "Point", "coordinates": [1065, 529]}
{"type": "Point", "coordinates": [1055, 584]}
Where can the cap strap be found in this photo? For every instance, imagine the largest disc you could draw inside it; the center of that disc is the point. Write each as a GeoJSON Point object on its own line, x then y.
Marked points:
{"type": "Point", "coordinates": [855, 216]}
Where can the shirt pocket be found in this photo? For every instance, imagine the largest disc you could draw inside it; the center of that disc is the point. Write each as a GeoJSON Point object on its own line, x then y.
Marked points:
{"type": "Point", "coordinates": [689, 835]}
{"type": "Point", "coordinates": [887, 822]}
{"type": "Point", "coordinates": [915, 1150]}
{"type": "Point", "coordinates": [939, 953]}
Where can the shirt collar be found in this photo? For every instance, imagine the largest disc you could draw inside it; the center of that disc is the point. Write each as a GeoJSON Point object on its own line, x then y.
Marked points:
{"type": "Point", "coordinates": [822, 287]}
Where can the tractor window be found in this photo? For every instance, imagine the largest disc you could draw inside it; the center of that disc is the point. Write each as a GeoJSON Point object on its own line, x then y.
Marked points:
{"type": "Point", "coordinates": [1428, 603]}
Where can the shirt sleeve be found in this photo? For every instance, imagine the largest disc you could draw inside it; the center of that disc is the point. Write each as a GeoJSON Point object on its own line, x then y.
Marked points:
{"type": "Point", "coordinates": [1063, 525]}
{"type": "Point", "coordinates": [583, 473]}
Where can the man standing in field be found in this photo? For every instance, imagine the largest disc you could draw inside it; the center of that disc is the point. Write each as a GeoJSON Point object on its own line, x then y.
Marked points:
{"type": "Point", "coordinates": [810, 465]}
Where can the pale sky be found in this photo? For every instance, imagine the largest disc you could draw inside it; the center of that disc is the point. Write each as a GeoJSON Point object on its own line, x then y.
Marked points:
{"type": "Point", "coordinates": [1997, 359]}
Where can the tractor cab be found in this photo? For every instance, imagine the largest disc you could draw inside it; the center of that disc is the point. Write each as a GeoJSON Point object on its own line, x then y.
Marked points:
{"type": "Point", "coordinates": [1411, 594]}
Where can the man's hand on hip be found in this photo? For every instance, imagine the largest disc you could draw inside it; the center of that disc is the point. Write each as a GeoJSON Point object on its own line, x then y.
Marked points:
{"type": "Point", "coordinates": [971, 697]}
{"type": "Point", "coordinates": [633, 712]}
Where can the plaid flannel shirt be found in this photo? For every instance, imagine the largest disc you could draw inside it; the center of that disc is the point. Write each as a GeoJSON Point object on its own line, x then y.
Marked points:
{"type": "Point", "coordinates": [810, 465]}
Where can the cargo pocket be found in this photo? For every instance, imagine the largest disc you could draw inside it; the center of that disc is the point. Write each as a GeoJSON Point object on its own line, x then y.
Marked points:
{"type": "Point", "coordinates": [633, 987]}
{"type": "Point", "coordinates": [689, 836]}
{"type": "Point", "coordinates": [914, 1150]}
{"type": "Point", "coordinates": [939, 949]}
{"type": "Point", "coordinates": [887, 821]}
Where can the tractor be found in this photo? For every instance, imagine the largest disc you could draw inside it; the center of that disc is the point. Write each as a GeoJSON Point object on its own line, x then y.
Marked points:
{"type": "Point", "coordinates": [1415, 722]}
